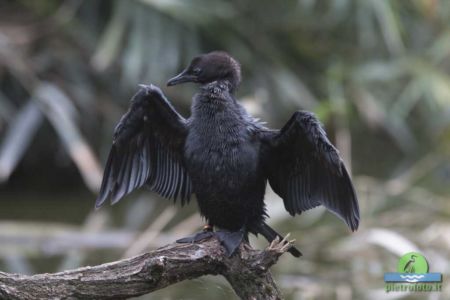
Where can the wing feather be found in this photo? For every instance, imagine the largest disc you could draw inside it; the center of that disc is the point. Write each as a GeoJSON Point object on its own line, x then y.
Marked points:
{"type": "Point", "coordinates": [305, 169]}
{"type": "Point", "coordinates": [147, 150]}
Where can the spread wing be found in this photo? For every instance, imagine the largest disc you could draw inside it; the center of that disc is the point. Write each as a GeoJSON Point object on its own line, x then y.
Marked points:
{"type": "Point", "coordinates": [147, 149]}
{"type": "Point", "coordinates": [305, 169]}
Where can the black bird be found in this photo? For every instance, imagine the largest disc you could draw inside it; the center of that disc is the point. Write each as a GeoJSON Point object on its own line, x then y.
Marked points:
{"type": "Point", "coordinates": [225, 157]}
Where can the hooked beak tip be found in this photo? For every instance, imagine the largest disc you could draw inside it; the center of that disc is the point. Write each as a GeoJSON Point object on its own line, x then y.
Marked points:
{"type": "Point", "coordinates": [181, 78]}
{"type": "Point", "coordinates": [174, 81]}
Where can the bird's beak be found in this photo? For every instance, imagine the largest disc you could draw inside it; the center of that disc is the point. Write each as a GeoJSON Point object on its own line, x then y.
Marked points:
{"type": "Point", "coordinates": [182, 78]}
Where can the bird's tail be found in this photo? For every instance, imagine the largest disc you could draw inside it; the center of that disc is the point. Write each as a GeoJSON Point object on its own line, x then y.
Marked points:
{"type": "Point", "coordinates": [271, 234]}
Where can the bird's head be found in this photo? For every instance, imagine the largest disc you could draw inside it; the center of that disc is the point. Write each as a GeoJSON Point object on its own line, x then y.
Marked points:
{"type": "Point", "coordinates": [206, 68]}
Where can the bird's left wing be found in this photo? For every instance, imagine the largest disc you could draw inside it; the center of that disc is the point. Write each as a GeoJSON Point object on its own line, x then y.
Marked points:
{"type": "Point", "coordinates": [147, 149]}
{"type": "Point", "coordinates": [305, 169]}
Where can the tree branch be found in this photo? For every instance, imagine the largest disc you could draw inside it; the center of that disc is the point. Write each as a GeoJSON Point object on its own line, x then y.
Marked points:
{"type": "Point", "coordinates": [247, 272]}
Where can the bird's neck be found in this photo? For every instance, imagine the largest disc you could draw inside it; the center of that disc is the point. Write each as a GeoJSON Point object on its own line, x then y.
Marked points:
{"type": "Point", "coordinates": [214, 97]}
{"type": "Point", "coordinates": [225, 83]}
{"type": "Point", "coordinates": [220, 90]}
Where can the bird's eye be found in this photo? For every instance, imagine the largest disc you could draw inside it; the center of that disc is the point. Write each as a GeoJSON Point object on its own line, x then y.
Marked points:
{"type": "Point", "coordinates": [196, 71]}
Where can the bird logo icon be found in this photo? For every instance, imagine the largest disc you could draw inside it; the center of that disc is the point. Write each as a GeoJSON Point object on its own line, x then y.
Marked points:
{"type": "Point", "coordinates": [412, 263]}
{"type": "Point", "coordinates": [409, 267]}
{"type": "Point", "coordinates": [412, 268]}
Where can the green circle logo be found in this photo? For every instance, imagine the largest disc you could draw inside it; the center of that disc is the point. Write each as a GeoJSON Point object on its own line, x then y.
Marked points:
{"type": "Point", "coordinates": [412, 262]}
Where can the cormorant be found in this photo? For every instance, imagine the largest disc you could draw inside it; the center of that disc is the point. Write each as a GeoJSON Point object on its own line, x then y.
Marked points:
{"type": "Point", "coordinates": [225, 157]}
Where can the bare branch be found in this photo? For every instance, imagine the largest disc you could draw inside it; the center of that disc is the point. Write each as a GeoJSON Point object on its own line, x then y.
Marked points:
{"type": "Point", "coordinates": [247, 272]}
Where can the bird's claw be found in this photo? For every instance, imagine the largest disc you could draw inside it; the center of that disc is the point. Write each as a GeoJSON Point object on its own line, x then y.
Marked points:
{"type": "Point", "coordinates": [247, 246]}
{"type": "Point", "coordinates": [281, 246]}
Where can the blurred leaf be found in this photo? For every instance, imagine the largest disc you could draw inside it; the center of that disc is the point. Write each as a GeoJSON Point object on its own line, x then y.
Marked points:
{"type": "Point", "coordinates": [110, 43]}
{"type": "Point", "coordinates": [18, 137]}
{"type": "Point", "coordinates": [392, 125]}
{"type": "Point", "coordinates": [292, 90]}
{"type": "Point", "coordinates": [6, 109]}
{"type": "Point", "coordinates": [58, 109]}
{"type": "Point", "coordinates": [389, 25]}
{"type": "Point", "coordinates": [440, 49]}
{"type": "Point", "coordinates": [194, 11]}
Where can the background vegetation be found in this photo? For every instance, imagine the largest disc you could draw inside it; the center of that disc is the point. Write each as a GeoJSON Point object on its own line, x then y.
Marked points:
{"type": "Point", "coordinates": [376, 72]}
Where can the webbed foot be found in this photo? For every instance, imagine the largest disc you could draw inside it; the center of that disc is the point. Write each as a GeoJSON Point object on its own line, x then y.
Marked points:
{"type": "Point", "coordinates": [231, 239]}
{"type": "Point", "coordinates": [207, 232]}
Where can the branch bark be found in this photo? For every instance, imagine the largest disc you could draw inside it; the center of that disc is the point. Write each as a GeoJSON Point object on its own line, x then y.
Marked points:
{"type": "Point", "coordinates": [247, 272]}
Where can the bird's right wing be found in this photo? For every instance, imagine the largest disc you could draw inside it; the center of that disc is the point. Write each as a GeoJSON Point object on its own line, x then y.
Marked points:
{"type": "Point", "coordinates": [147, 149]}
